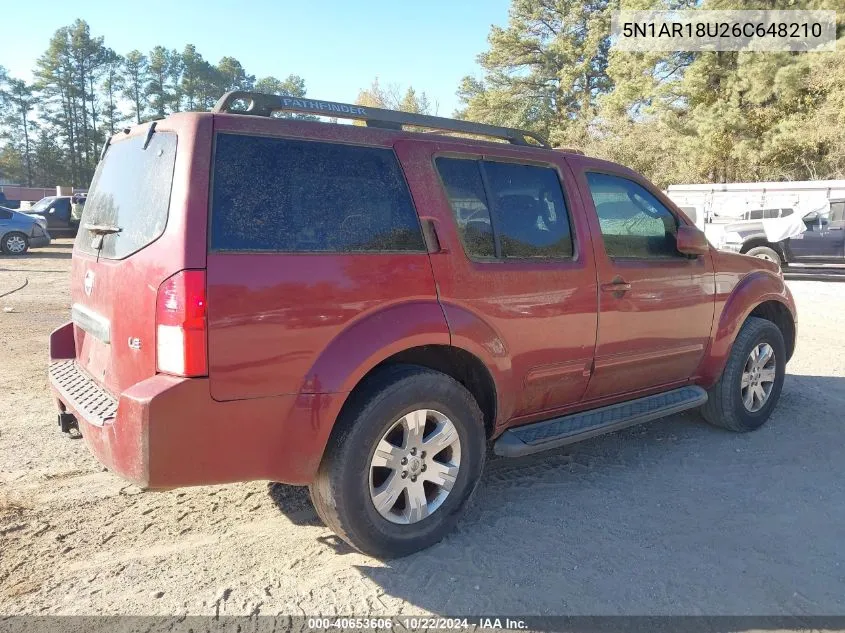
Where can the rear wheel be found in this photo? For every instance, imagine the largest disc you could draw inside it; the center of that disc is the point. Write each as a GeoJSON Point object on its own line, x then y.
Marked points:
{"type": "Point", "coordinates": [402, 463]}
{"type": "Point", "coordinates": [748, 390]}
{"type": "Point", "coordinates": [14, 243]}
{"type": "Point", "coordinates": [764, 252]}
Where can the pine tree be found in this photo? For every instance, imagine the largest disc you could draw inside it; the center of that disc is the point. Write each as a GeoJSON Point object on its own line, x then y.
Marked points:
{"type": "Point", "coordinates": [292, 86]}
{"type": "Point", "coordinates": [17, 126]}
{"type": "Point", "coordinates": [413, 103]}
{"type": "Point", "coordinates": [134, 83]}
{"type": "Point", "coordinates": [545, 70]}
{"type": "Point", "coordinates": [158, 72]}
{"type": "Point", "coordinates": [232, 76]}
{"type": "Point", "coordinates": [112, 87]}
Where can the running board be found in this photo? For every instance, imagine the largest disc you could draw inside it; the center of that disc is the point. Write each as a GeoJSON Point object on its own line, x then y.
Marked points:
{"type": "Point", "coordinates": [540, 436]}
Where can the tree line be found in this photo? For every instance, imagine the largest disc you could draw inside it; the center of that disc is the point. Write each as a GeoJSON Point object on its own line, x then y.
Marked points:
{"type": "Point", "coordinates": [677, 117]}
{"type": "Point", "coordinates": [53, 129]}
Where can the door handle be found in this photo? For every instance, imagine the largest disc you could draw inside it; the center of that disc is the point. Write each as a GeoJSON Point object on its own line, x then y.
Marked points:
{"type": "Point", "coordinates": [432, 242]}
{"type": "Point", "coordinates": [617, 285]}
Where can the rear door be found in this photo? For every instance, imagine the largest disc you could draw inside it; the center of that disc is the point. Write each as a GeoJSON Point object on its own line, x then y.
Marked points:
{"type": "Point", "coordinates": [655, 304]}
{"type": "Point", "coordinates": [515, 273]}
{"type": "Point", "coordinates": [115, 277]}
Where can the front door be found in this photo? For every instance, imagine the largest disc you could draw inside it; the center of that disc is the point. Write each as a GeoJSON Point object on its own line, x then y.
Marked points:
{"type": "Point", "coordinates": [824, 239]}
{"type": "Point", "coordinates": [58, 214]}
{"type": "Point", "coordinates": [655, 304]}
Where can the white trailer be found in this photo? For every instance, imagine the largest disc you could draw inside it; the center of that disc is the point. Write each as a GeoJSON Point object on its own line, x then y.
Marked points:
{"type": "Point", "coordinates": [723, 203]}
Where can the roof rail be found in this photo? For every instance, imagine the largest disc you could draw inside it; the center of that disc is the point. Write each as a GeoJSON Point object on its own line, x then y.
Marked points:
{"type": "Point", "coordinates": [570, 150]}
{"type": "Point", "coordinates": [260, 104]}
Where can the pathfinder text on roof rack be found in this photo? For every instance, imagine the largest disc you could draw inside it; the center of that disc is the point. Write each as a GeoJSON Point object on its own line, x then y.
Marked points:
{"type": "Point", "coordinates": [322, 106]}
{"type": "Point", "coordinates": [260, 104]}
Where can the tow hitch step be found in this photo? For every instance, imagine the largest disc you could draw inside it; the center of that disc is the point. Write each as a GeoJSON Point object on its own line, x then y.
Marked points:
{"type": "Point", "coordinates": [541, 436]}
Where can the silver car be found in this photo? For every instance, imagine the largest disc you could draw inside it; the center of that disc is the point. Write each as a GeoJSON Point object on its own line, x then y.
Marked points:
{"type": "Point", "coordinates": [19, 232]}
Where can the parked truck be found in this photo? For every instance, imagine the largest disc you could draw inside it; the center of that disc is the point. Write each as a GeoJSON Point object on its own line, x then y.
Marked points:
{"type": "Point", "coordinates": [784, 222]}
{"type": "Point", "coordinates": [58, 212]}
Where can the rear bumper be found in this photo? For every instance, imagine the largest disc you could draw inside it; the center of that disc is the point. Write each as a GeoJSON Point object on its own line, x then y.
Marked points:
{"type": "Point", "coordinates": [166, 432]}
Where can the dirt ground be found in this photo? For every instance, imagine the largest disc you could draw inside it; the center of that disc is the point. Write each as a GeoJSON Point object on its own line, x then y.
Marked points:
{"type": "Point", "coordinates": [671, 518]}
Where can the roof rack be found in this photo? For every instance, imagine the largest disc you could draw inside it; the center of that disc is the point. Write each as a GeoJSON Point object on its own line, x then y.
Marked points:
{"type": "Point", "coordinates": [260, 104]}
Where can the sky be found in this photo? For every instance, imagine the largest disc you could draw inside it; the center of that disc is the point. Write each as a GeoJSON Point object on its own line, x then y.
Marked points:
{"type": "Point", "coordinates": [338, 47]}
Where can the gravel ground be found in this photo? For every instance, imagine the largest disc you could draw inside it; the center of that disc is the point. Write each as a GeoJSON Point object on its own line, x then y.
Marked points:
{"type": "Point", "coordinates": [671, 518]}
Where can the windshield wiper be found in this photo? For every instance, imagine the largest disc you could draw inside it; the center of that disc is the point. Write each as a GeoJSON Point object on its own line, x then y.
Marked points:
{"type": "Point", "coordinates": [100, 231]}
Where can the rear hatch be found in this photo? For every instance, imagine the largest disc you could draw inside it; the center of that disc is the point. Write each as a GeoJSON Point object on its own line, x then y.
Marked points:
{"type": "Point", "coordinates": [131, 239]}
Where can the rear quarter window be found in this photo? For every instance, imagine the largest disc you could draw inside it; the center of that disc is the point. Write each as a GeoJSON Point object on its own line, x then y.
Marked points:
{"type": "Point", "coordinates": [283, 195]}
{"type": "Point", "coordinates": [130, 191]}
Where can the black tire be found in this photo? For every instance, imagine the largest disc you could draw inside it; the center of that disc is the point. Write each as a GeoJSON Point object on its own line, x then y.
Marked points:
{"type": "Point", "coordinates": [8, 237]}
{"type": "Point", "coordinates": [724, 406]}
{"type": "Point", "coordinates": [341, 489]}
{"type": "Point", "coordinates": [764, 252]}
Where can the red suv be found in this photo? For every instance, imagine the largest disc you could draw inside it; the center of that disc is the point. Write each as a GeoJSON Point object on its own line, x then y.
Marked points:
{"type": "Point", "coordinates": [362, 309]}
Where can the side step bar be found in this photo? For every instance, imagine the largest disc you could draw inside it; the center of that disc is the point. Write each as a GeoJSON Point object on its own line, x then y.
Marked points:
{"type": "Point", "coordinates": [540, 436]}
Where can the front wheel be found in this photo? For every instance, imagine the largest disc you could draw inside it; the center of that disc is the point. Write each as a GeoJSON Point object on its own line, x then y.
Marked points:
{"type": "Point", "coordinates": [14, 243]}
{"type": "Point", "coordinates": [748, 390]}
{"type": "Point", "coordinates": [403, 462]}
{"type": "Point", "coordinates": [764, 252]}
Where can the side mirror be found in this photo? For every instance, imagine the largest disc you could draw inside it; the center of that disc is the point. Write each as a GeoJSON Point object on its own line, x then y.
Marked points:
{"type": "Point", "coordinates": [691, 241]}
{"type": "Point", "coordinates": [811, 218]}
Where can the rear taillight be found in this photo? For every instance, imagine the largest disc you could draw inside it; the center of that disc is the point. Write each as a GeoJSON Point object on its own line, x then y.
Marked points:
{"type": "Point", "coordinates": [181, 325]}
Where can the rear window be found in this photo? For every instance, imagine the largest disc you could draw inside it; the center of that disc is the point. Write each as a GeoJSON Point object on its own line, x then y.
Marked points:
{"type": "Point", "coordinates": [130, 191]}
{"type": "Point", "coordinates": [283, 195]}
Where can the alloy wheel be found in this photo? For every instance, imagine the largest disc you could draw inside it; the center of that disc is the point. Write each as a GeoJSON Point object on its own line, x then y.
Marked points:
{"type": "Point", "coordinates": [758, 377]}
{"type": "Point", "coordinates": [414, 466]}
{"type": "Point", "coordinates": [15, 244]}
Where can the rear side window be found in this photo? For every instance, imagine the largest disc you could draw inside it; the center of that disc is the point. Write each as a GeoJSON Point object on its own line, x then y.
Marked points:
{"type": "Point", "coordinates": [519, 214]}
{"type": "Point", "coordinates": [285, 195]}
{"type": "Point", "coordinates": [130, 192]}
{"type": "Point", "coordinates": [530, 212]}
{"type": "Point", "coordinates": [634, 224]}
{"type": "Point", "coordinates": [465, 188]}
{"type": "Point", "coordinates": [766, 214]}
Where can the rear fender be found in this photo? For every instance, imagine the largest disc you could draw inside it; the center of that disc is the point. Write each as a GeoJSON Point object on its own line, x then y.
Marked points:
{"type": "Point", "coordinates": [474, 335]}
{"type": "Point", "coordinates": [755, 288]}
{"type": "Point", "coordinates": [370, 340]}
